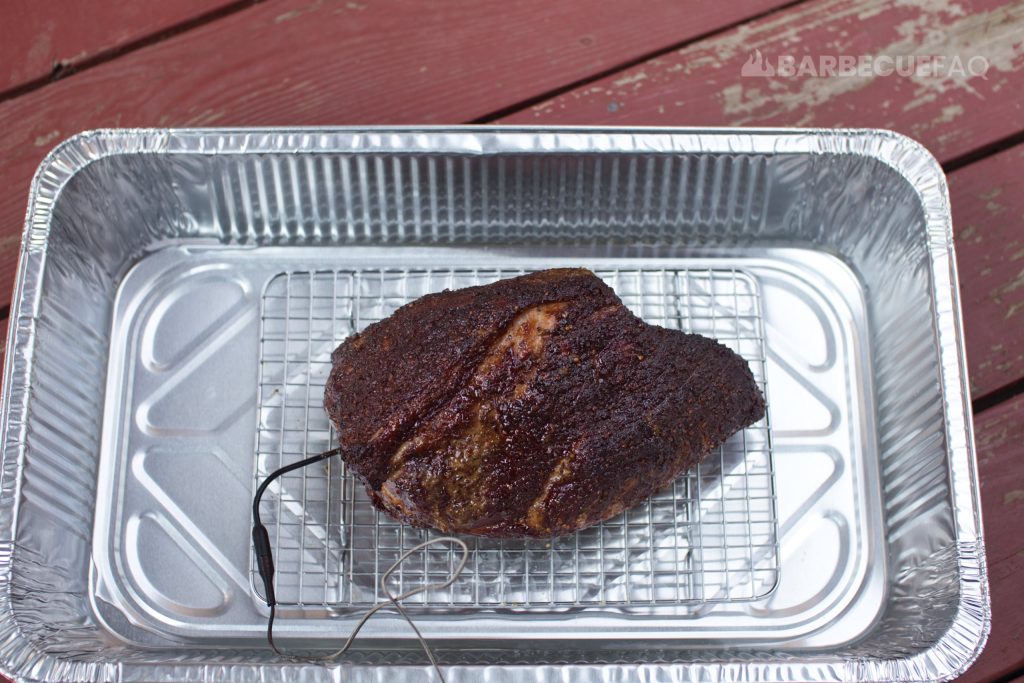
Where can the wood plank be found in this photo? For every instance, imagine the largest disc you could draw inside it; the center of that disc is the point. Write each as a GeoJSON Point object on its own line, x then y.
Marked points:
{"type": "Point", "coordinates": [999, 433]}
{"type": "Point", "coordinates": [37, 38]}
{"type": "Point", "coordinates": [988, 218]}
{"type": "Point", "coordinates": [3, 343]}
{"type": "Point", "coordinates": [702, 84]}
{"type": "Point", "coordinates": [305, 62]}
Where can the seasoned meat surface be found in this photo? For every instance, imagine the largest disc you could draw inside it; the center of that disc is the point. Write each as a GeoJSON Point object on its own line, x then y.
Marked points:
{"type": "Point", "coordinates": [534, 406]}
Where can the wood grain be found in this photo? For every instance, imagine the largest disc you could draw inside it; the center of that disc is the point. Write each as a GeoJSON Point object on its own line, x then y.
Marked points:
{"type": "Point", "coordinates": [38, 38]}
{"type": "Point", "coordinates": [988, 219]}
{"type": "Point", "coordinates": [999, 433]}
{"type": "Point", "coordinates": [310, 62]}
{"type": "Point", "coordinates": [702, 84]}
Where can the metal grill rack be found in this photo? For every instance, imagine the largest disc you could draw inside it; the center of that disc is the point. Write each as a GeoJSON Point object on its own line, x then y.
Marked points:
{"type": "Point", "coordinates": [711, 537]}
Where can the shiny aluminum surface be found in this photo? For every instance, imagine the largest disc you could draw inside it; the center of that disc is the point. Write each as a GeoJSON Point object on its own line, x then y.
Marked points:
{"type": "Point", "coordinates": [150, 268]}
{"type": "Point", "coordinates": [821, 471]}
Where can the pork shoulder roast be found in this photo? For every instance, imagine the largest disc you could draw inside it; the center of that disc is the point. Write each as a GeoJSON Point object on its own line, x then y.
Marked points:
{"type": "Point", "coordinates": [533, 406]}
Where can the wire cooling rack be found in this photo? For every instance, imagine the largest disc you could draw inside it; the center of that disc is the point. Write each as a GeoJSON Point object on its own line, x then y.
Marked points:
{"type": "Point", "coordinates": [711, 537]}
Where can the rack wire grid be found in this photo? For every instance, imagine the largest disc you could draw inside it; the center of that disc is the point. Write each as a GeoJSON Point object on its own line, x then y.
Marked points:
{"type": "Point", "coordinates": [710, 537]}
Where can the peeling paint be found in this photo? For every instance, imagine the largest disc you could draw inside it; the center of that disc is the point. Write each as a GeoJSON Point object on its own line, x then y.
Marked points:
{"type": "Point", "coordinates": [950, 113]}
{"type": "Point", "coordinates": [746, 105]}
{"type": "Point", "coordinates": [42, 45]}
{"type": "Point", "coordinates": [942, 28]}
{"type": "Point", "coordinates": [945, 6]}
{"type": "Point", "coordinates": [630, 79]}
{"type": "Point", "coordinates": [47, 138]}
{"type": "Point", "coordinates": [1013, 285]}
{"type": "Point", "coordinates": [995, 208]}
{"type": "Point", "coordinates": [287, 16]}
{"type": "Point", "coordinates": [1014, 496]}
{"type": "Point", "coordinates": [993, 36]}
{"type": "Point", "coordinates": [910, 28]}
{"type": "Point", "coordinates": [871, 12]}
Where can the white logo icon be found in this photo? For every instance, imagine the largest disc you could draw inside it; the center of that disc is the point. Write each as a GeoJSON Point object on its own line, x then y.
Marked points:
{"type": "Point", "coordinates": [756, 65]}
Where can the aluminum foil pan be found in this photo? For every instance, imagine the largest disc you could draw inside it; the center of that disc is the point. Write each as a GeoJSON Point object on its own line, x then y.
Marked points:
{"type": "Point", "coordinates": [180, 291]}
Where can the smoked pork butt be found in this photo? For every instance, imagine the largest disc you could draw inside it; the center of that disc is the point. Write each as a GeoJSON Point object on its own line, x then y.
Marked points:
{"type": "Point", "coordinates": [533, 406]}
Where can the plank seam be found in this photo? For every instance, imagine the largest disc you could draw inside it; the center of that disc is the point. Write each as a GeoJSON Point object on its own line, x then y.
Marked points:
{"type": "Point", "coordinates": [983, 152]}
{"type": "Point", "coordinates": [61, 71]}
{"type": "Point", "coordinates": [1005, 393]}
{"type": "Point", "coordinates": [628, 64]}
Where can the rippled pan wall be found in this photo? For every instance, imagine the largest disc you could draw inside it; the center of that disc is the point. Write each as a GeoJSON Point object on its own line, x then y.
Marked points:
{"type": "Point", "coordinates": [106, 201]}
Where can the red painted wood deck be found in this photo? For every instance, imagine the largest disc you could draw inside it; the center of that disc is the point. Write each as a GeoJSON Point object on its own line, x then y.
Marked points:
{"type": "Point", "coordinates": [71, 67]}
